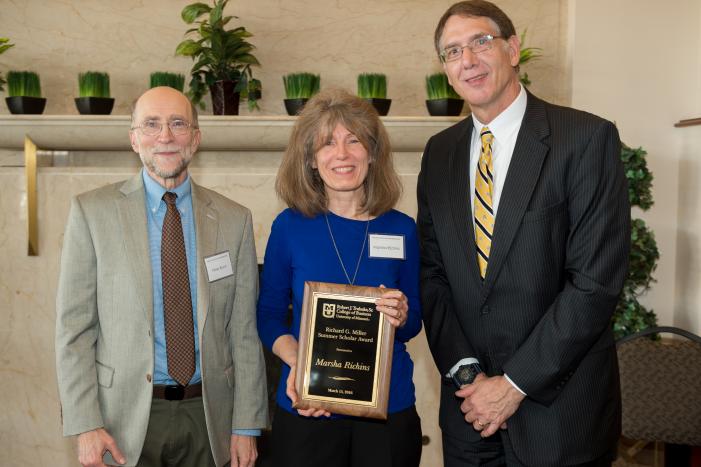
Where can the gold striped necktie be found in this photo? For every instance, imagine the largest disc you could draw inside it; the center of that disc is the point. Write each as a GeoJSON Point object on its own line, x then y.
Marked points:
{"type": "Point", "coordinates": [484, 212]}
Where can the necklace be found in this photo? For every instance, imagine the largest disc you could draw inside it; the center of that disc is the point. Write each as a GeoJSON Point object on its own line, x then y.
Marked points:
{"type": "Point", "coordinates": [335, 247]}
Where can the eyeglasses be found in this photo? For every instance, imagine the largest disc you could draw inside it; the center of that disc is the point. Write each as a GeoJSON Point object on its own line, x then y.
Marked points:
{"type": "Point", "coordinates": [154, 127]}
{"type": "Point", "coordinates": [476, 46]}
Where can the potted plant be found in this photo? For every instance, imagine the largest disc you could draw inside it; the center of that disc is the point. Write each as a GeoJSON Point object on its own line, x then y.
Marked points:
{"type": "Point", "coordinates": [299, 87]}
{"type": "Point", "coordinates": [24, 90]}
{"type": "Point", "coordinates": [373, 87]}
{"type": "Point", "coordinates": [164, 78]}
{"type": "Point", "coordinates": [442, 98]}
{"type": "Point", "coordinates": [222, 58]}
{"type": "Point", "coordinates": [4, 46]}
{"type": "Point", "coordinates": [94, 92]}
{"type": "Point", "coordinates": [527, 54]}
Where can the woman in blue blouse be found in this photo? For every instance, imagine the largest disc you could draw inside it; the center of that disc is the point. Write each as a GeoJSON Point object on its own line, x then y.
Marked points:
{"type": "Point", "coordinates": [339, 182]}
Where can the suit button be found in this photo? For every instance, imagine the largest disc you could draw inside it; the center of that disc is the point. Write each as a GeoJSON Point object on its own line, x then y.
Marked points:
{"type": "Point", "coordinates": [148, 377]}
{"type": "Point", "coordinates": [484, 310]}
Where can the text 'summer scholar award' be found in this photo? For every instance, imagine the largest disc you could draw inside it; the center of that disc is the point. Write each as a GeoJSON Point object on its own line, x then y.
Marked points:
{"type": "Point", "coordinates": [345, 351]}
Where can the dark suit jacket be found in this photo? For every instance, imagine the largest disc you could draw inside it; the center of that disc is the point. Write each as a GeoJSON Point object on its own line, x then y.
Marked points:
{"type": "Point", "coordinates": [558, 260]}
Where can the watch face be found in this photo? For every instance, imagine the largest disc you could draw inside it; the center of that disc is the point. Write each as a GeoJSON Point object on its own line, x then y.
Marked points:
{"type": "Point", "coordinates": [466, 374]}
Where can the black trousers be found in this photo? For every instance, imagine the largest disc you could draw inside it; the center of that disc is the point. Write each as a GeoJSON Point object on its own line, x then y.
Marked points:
{"type": "Point", "coordinates": [495, 451]}
{"type": "Point", "coordinates": [349, 442]}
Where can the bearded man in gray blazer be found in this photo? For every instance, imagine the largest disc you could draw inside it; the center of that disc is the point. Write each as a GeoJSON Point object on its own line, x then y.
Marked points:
{"type": "Point", "coordinates": [115, 354]}
{"type": "Point", "coordinates": [524, 224]}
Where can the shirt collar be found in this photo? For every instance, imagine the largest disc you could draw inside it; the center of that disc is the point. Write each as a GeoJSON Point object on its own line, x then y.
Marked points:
{"type": "Point", "coordinates": [154, 190]}
{"type": "Point", "coordinates": [507, 122]}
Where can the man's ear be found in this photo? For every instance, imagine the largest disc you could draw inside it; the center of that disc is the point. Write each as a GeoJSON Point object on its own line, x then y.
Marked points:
{"type": "Point", "coordinates": [134, 141]}
{"type": "Point", "coordinates": [196, 138]}
{"type": "Point", "coordinates": [514, 50]}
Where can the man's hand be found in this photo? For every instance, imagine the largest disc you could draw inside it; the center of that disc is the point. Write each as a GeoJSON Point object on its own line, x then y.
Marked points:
{"type": "Point", "coordinates": [489, 402]}
{"type": "Point", "coordinates": [92, 446]}
{"type": "Point", "coordinates": [292, 394]}
{"type": "Point", "coordinates": [243, 451]}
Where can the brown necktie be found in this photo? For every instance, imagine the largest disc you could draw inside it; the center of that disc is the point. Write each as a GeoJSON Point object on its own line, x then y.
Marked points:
{"type": "Point", "coordinates": [177, 303]}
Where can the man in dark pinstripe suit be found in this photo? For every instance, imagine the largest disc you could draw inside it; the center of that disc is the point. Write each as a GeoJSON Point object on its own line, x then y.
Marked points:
{"type": "Point", "coordinates": [524, 222]}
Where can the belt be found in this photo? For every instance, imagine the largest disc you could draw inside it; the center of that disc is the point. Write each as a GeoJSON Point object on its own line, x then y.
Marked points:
{"type": "Point", "coordinates": [177, 393]}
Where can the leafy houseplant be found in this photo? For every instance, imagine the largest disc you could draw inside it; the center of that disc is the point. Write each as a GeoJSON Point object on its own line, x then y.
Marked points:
{"type": "Point", "coordinates": [373, 87]}
{"type": "Point", "coordinates": [164, 78]}
{"type": "Point", "coordinates": [24, 89]}
{"type": "Point", "coordinates": [222, 57]}
{"type": "Point", "coordinates": [442, 98]}
{"type": "Point", "coordinates": [527, 54]}
{"type": "Point", "coordinates": [299, 88]}
{"type": "Point", "coordinates": [94, 92]}
{"type": "Point", "coordinates": [630, 316]}
{"type": "Point", "coordinates": [4, 46]}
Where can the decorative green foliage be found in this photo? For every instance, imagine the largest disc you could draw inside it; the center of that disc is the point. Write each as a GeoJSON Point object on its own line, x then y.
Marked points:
{"type": "Point", "coordinates": [301, 85]}
{"type": "Point", "coordinates": [639, 177]}
{"type": "Point", "coordinates": [372, 86]}
{"type": "Point", "coordinates": [23, 83]}
{"type": "Point", "coordinates": [527, 54]}
{"type": "Point", "coordinates": [630, 316]}
{"type": "Point", "coordinates": [93, 84]}
{"type": "Point", "coordinates": [4, 46]}
{"type": "Point", "coordinates": [164, 78]}
{"type": "Point", "coordinates": [437, 87]}
{"type": "Point", "coordinates": [219, 53]}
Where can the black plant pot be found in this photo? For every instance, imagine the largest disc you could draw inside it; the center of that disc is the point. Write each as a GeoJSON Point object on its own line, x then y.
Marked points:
{"type": "Point", "coordinates": [224, 100]}
{"type": "Point", "coordinates": [444, 107]}
{"type": "Point", "coordinates": [26, 105]}
{"type": "Point", "coordinates": [94, 105]}
{"type": "Point", "coordinates": [381, 105]}
{"type": "Point", "coordinates": [295, 106]}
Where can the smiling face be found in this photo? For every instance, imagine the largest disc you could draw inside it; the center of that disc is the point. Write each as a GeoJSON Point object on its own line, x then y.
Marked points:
{"type": "Point", "coordinates": [487, 80]}
{"type": "Point", "coordinates": [343, 164]}
{"type": "Point", "coordinates": [165, 156]}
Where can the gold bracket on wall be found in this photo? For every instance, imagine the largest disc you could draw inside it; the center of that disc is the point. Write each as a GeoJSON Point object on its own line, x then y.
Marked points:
{"type": "Point", "coordinates": [30, 169]}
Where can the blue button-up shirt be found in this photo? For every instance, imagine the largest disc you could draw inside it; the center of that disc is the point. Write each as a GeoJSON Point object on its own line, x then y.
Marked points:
{"type": "Point", "coordinates": [156, 211]}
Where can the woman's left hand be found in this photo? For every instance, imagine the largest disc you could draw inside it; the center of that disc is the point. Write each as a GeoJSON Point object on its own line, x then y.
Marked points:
{"type": "Point", "coordinates": [395, 306]}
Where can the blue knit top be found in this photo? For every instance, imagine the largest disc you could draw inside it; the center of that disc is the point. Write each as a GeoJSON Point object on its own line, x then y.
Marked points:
{"type": "Point", "coordinates": [301, 249]}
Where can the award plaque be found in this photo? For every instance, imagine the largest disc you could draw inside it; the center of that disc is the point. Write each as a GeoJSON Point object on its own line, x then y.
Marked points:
{"type": "Point", "coordinates": [344, 358]}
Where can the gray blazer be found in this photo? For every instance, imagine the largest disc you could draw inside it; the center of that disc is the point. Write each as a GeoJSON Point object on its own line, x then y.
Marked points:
{"type": "Point", "coordinates": [104, 322]}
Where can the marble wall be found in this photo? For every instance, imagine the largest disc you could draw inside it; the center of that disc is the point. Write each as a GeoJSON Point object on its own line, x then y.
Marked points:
{"type": "Point", "coordinates": [132, 38]}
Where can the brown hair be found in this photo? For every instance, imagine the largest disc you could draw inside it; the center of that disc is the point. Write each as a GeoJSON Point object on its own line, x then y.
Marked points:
{"type": "Point", "coordinates": [300, 186]}
{"type": "Point", "coordinates": [476, 8]}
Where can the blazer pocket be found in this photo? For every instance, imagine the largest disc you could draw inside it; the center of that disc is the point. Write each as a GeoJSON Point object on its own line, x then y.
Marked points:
{"type": "Point", "coordinates": [229, 373]}
{"type": "Point", "coordinates": [105, 375]}
{"type": "Point", "coordinates": [546, 213]}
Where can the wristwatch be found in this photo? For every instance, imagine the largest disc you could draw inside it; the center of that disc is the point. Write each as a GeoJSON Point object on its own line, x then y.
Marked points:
{"type": "Point", "coordinates": [464, 372]}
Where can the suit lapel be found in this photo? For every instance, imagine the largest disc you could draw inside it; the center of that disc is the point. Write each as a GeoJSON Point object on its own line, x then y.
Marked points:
{"type": "Point", "coordinates": [460, 196]}
{"type": "Point", "coordinates": [132, 215]}
{"type": "Point", "coordinates": [521, 179]}
{"type": "Point", "coordinates": [206, 228]}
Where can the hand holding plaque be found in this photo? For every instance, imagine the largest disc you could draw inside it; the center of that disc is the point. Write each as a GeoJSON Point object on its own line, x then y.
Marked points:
{"type": "Point", "coordinates": [344, 356]}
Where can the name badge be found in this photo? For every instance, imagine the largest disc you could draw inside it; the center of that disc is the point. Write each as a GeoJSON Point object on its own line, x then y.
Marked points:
{"type": "Point", "coordinates": [218, 266]}
{"type": "Point", "coordinates": [386, 246]}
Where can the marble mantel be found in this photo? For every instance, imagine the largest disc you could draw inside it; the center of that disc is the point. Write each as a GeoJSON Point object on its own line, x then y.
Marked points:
{"type": "Point", "coordinates": [219, 133]}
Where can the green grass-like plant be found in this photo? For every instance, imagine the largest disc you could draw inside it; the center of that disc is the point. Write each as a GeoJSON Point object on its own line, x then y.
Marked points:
{"type": "Point", "coordinates": [164, 78]}
{"type": "Point", "coordinates": [438, 87]}
{"type": "Point", "coordinates": [301, 85]}
{"type": "Point", "coordinates": [4, 46]}
{"type": "Point", "coordinates": [23, 83]}
{"type": "Point", "coordinates": [93, 84]}
{"type": "Point", "coordinates": [372, 86]}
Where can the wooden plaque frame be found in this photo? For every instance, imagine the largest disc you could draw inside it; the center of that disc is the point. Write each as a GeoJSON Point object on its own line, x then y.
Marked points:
{"type": "Point", "coordinates": [362, 341]}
